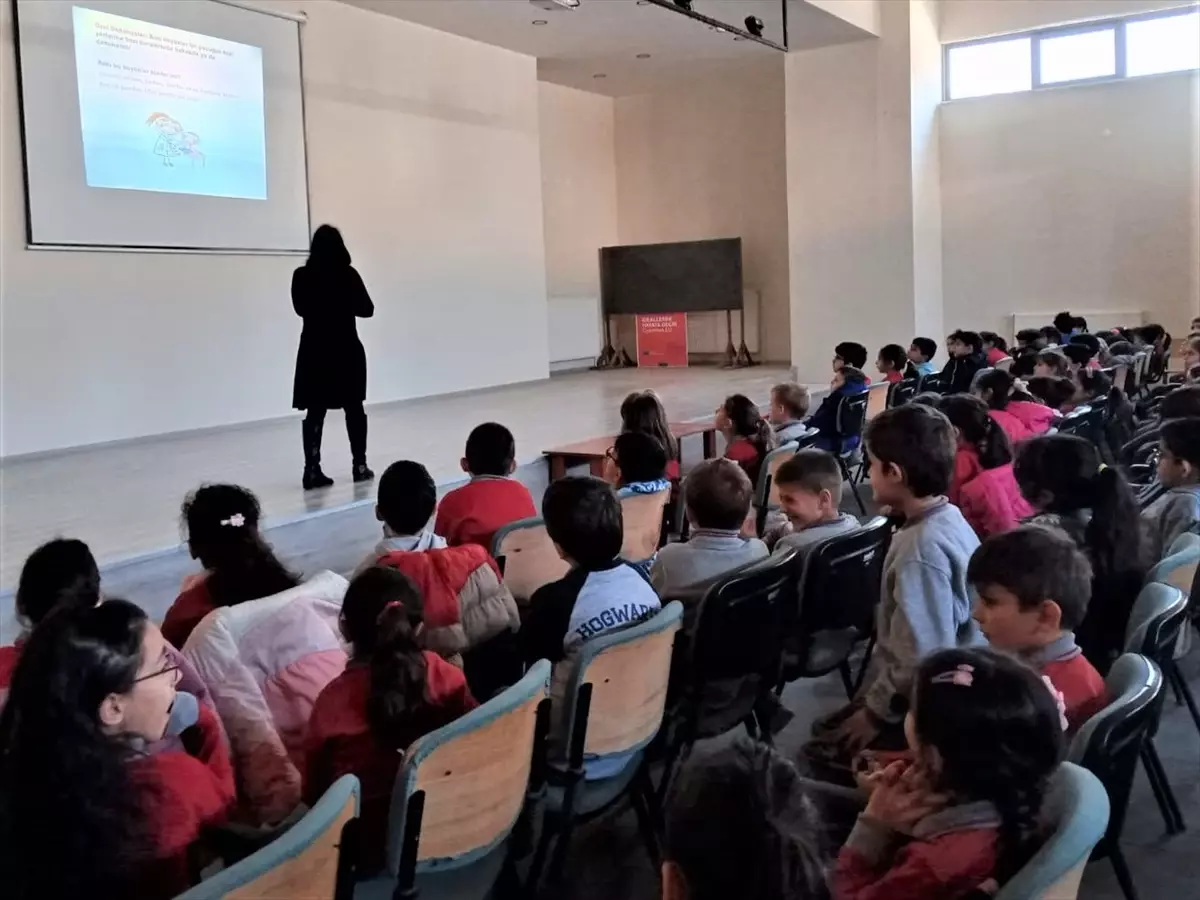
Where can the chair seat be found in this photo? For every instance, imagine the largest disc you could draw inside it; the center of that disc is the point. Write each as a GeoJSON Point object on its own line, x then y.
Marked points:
{"type": "Point", "coordinates": [473, 881]}
{"type": "Point", "coordinates": [722, 705]}
{"type": "Point", "coordinates": [829, 649]}
{"type": "Point", "coordinates": [593, 796]}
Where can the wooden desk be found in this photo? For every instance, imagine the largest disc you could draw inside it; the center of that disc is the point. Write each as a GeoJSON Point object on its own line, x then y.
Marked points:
{"type": "Point", "coordinates": [593, 450]}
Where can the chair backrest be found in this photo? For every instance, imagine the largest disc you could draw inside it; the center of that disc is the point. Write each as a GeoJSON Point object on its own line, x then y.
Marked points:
{"type": "Point", "coordinates": [877, 397]}
{"type": "Point", "coordinates": [1077, 810]}
{"type": "Point", "coordinates": [1110, 742]}
{"type": "Point", "coordinates": [303, 863]}
{"type": "Point", "coordinates": [900, 392]}
{"type": "Point", "coordinates": [1158, 615]}
{"type": "Point", "coordinates": [1178, 567]}
{"type": "Point", "coordinates": [852, 414]}
{"type": "Point", "coordinates": [766, 494]}
{"type": "Point", "coordinates": [642, 520]}
{"type": "Point", "coordinates": [839, 585]}
{"type": "Point", "coordinates": [460, 788]}
{"type": "Point", "coordinates": [625, 674]}
{"type": "Point", "coordinates": [527, 557]}
{"type": "Point", "coordinates": [937, 382]}
{"type": "Point", "coordinates": [1004, 363]}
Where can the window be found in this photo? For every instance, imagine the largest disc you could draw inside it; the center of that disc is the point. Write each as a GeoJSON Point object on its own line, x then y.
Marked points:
{"type": "Point", "coordinates": [1117, 48]}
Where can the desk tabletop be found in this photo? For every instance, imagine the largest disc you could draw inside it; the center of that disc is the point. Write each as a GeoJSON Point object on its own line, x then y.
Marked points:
{"type": "Point", "coordinates": [598, 446]}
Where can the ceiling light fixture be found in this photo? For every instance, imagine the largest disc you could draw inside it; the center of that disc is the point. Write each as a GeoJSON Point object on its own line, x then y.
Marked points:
{"type": "Point", "coordinates": [550, 5]}
{"type": "Point", "coordinates": [643, 56]}
{"type": "Point", "coordinates": [684, 4]}
{"type": "Point", "coordinates": [754, 25]}
{"type": "Point", "coordinates": [540, 22]}
{"type": "Point", "coordinates": [599, 75]}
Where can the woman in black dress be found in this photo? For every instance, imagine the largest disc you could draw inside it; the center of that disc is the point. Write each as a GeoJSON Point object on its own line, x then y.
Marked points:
{"type": "Point", "coordinates": [331, 365]}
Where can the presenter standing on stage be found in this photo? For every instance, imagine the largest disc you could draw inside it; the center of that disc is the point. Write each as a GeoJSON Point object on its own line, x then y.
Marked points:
{"type": "Point", "coordinates": [331, 365]}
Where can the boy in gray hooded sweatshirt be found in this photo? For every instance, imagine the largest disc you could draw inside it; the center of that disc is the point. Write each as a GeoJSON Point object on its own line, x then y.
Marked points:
{"type": "Point", "coordinates": [1178, 510]}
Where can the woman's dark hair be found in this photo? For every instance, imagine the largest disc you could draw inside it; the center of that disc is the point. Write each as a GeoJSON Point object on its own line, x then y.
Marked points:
{"type": "Point", "coordinates": [1068, 470]}
{"type": "Point", "coordinates": [61, 572]}
{"type": "Point", "coordinates": [994, 387]}
{"type": "Point", "coordinates": [998, 733]}
{"type": "Point", "coordinates": [327, 248]}
{"type": "Point", "coordinates": [990, 337]}
{"type": "Point", "coordinates": [739, 824]}
{"type": "Point", "coordinates": [748, 422]}
{"type": "Point", "coordinates": [640, 456]}
{"type": "Point", "coordinates": [1052, 390]}
{"type": "Point", "coordinates": [381, 613]}
{"type": "Point", "coordinates": [73, 822]}
{"type": "Point", "coordinates": [970, 416]}
{"type": "Point", "coordinates": [643, 411]}
{"type": "Point", "coordinates": [222, 531]}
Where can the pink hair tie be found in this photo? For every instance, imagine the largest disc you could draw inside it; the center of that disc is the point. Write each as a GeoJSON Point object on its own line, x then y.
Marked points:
{"type": "Point", "coordinates": [963, 675]}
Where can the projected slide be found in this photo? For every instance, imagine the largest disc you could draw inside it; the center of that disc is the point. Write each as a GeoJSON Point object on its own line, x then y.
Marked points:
{"type": "Point", "coordinates": [162, 109]}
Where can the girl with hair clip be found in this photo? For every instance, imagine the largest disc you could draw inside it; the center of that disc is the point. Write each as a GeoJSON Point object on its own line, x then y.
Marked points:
{"type": "Point", "coordinates": [1066, 481]}
{"type": "Point", "coordinates": [88, 811]}
{"type": "Point", "coordinates": [221, 521]}
{"type": "Point", "coordinates": [961, 817]}
{"type": "Point", "coordinates": [391, 693]}
{"type": "Point", "coordinates": [643, 411]}
{"type": "Point", "coordinates": [983, 486]}
{"type": "Point", "coordinates": [1014, 410]}
{"type": "Point", "coordinates": [748, 436]}
{"type": "Point", "coordinates": [1054, 392]}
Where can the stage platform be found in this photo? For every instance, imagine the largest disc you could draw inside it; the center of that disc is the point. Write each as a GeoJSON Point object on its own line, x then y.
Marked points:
{"type": "Point", "coordinates": [124, 498]}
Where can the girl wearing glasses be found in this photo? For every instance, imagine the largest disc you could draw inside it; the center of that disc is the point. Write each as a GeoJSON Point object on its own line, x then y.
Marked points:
{"type": "Point", "coordinates": [87, 811]}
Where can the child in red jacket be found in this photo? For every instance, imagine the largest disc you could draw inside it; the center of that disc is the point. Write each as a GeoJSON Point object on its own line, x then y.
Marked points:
{"type": "Point", "coordinates": [983, 487]}
{"type": "Point", "coordinates": [748, 436]}
{"type": "Point", "coordinates": [473, 513]}
{"type": "Point", "coordinates": [391, 693]}
{"type": "Point", "coordinates": [986, 734]}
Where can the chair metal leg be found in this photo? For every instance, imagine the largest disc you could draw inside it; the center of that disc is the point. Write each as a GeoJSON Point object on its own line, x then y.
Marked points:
{"type": "Point", "coordinates": [1161, 787]}
{"type": "Point", "coordinates": [539, 857]}
{"type": "Point", "coordinates": [1181, 687]}
{"type": "Point", "coordinates": [847, 678]}
{"type": "Point", "coordinates": [866, 662]}
{"type": "Point", "coordinates": [641, 800]}
{"type": "Point", "coordinates": [1117, 858]}
{"type": "Point", "coordinates": [846, 475]}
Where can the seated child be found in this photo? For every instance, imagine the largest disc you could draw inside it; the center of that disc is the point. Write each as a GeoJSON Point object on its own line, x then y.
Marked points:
{"type": "Point", "coordinates": [473, 513]}
{"type": "Point", "coordinates": [810, 495]}
{"type": "Point", "coordinates": [601, 593]}
{"type": "Point", "coordinates": [1033, 585]}
{"type": "Point", "coordinates": [925, 604]}
{"type": "Point", "coordinates": [1052, 363]}
{"type": "Point", "coordinates": [1079, 358]}
{"type": "Point", "coordinates": [643, 411]}
{"type": "Point", "coordinates": [391, 693]}
{"type": "Point", "coordinates": [637, 464]}
{"type": "Point", "coordinates": [983, 486]}
{"type": "Point", "coordinates": [716, 495]}
{"type": "Point", "coordinates": [966, 359]}
{"type": "Point", "coordinates": [739, 824]}
{"type": "Point", "coordinates": [1030, 338]}
{"type": "Point", "coordinates": [1018, 413]}
{"type": "Point", "coordinates": [222, 533]}
{"type": "Point", "coordinates": [1054, 392]}
{"type": "Point", "coordinates": [1093, 387]}
{"type": "Point", "coordinates": [891, 362]}
{"type": "Point", "coordinates": [921, 353]}
{"type": "Point", "coordinates": [789, 406]}
{"type": "Point", "coordinates": [986, 736]}
{"type": "Point", "coordinates": [1051, 336]}
{"type": "Point", "coordinates": [847, 382]}
{"type": "Point", "coordinates": [849, 353]}
{"type": "Point", "coordinates": [995, 348]}
{"type": "Point", "coordinates": [1177, 511]}
{"type": "Point", "coordinates": [748, 435]}
{"type": "Point", "coordinates": [466, 603]}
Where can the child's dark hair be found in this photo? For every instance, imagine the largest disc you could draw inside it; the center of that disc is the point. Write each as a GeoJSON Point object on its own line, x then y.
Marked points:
{"type": "Point", "coordinates": [1182, 438]}
{"type": "Point", "coordinates": [643, 411]}
{"type": "Point", "coordinates": [919, 441]}
{"type": "Point", "coordinates": [1053, 391]}
{"type": "Point", "coordinates": [1151, 333]}
{"type": "Point", "coordinates": [1063, 474]}
{"type": "Point", "coordinates": [1056, 359]}
{"type": "Point", "coordinates": [978, 429]}
{"type": "Point", "coordinates": [381, 613]}
{"type": "Point", "coordinates": [1094, 384]}
{"type": "Point", "coordinates": [1051, 334]}
{"type": "Point", "coordinates": [61, 572]}
{"type": "Point", "coordinates": [927, 346]}
{"type": "Point", "coordinates": [739, 824]}
{"type": "Point", "coordinates": [997, 388]}
{"type": "Point", "coordinates": [407, 497]}
{"type": "Point", "coordinates": [812, 471]}
{"type": "Point", "coordinates": [970, 338]}
{"type": "Point", "coordinates": [717, 494]}
{"type": "Point", "coordinates": [927, 398]}
{"type": "Point", "coordinates": [990, 337]}
{"type": "Point", "coordinates": [1035, 564]}
{"type": "Point", "coordinates": [222, 532]}
{"type": "Point", "coordinates": [640, 456]}
{"type": "Point", "coordinates": [491, 449]}
{"type": "Point", "coordinates": [1077, 353]}
{"type": "Point", "coordinates": [792, 397]}
{"type": "Point", "coordinates": [1064, 322]}
{"type": "Point", "coordinates": [998, 733]}
{"type": "Point", "coordinates": [1029, 336]}
{"type": "Point", "coordinates": [748, 422]}
{"type": "Point", "coordinates": [1181, 403]}
{"type": "Point", "coordinates": [851, 353]}
{"type": "Point", "coordinates": [583, 516]}
{"type": "Point", "coordinates": [1121, 348]}
{"type": "Point", "coordinates": [1023, 363]}
{"type": "Point", "coordinates": [1088, 340]}
{"type": "Point", "coordinates": [894, 355]}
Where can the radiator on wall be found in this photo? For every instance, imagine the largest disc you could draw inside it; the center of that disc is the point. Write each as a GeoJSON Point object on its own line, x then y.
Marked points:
{"type": "Point", "coordinates": [1097, 319]}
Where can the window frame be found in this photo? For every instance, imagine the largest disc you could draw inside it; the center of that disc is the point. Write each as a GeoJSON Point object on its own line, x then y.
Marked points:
{"type": "Point", "coordinates": [1116, 24]}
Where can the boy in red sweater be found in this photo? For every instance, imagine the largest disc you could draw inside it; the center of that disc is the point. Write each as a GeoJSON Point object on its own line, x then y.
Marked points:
{"type": "Point", "coordinates": [1033, 585]}
{"type": "Point", "coordinates": [473, 513]}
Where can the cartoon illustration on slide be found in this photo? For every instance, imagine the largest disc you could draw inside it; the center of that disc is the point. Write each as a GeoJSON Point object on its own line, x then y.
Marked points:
{"type": "Point", "coordinates": [173, 140]}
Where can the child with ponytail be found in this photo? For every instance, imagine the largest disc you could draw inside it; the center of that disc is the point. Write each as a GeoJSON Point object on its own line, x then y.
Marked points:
{"type": "Point", "coordinates": [986, 735]}
{"type": "Point", "coordinates": [1065, 480]}
{"type": "Point", "coordinates": [983, 486]}
{"type": "Point", "coordinates": [391, 693]}
{"type": "Point", "coordinates": [749, 437]}
{"type": "Point", "coordinates": [1018, 413]}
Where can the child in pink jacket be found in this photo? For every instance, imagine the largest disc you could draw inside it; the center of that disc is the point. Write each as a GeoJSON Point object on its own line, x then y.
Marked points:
{"type": "Point", "coordinates": [1019, 414]}
{"type": "Point", "coordinates": [983, 486]}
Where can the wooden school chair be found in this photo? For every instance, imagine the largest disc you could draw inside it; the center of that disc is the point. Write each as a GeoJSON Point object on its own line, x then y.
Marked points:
{"type": "Point", "coordinates": [527, 557]}
{"type": "Point", "coordinates": [642, 520]}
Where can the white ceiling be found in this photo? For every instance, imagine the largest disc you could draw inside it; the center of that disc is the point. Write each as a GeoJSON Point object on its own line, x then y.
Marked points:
{"type": "Point", "coordinates": [606, 36]}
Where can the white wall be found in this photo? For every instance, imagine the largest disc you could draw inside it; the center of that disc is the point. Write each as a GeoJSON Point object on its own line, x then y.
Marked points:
{"type": "Point", "coordinates": [423, 147]}
{"type": "Point", "coordinates": [966, 19]}
{"type": "Point", "coordinates": [579, 202]}
{"type": "Point", "coordinates": [1080, 198]}
{"type": "Point", "coordinates": [708, 161]}
{"type": "Point", "coordinates": [925, 102]}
